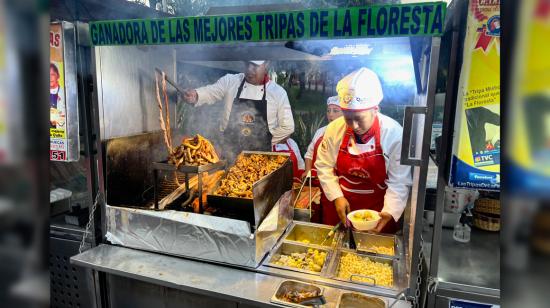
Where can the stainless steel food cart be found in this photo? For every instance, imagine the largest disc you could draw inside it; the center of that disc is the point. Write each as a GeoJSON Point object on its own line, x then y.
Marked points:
{"type": "Point", "coordinates": [146, 245]}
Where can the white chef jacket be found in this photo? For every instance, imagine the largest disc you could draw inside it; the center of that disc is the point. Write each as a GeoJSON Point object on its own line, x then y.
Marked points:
{"type": "Point", "coordinates": [399, 176]}
{"type": "Point", "coordinates": [294, 148]}
{"type": "Point", "coordinates": [279, 114]}
{"type": "Point", "coordinates": [311, 147]}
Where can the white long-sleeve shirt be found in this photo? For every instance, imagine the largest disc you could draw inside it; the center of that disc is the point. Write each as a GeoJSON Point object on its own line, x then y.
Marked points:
{"type": "Point", "coordinates": [311, 147]}
{"type": "Point", "coordinates": [292, 146]}
{"type": "Point", "coordinates": [398, 176]}
{"type": "Point", "coordinates": [279, 114]}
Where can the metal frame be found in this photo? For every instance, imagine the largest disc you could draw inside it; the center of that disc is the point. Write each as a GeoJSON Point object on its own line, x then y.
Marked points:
{"type": "Point", "coordinates": [72, 99]}
{"type": "Point", "coordinates": [422, 163]}
{"type": "Point", "coordinates": [449, 289]}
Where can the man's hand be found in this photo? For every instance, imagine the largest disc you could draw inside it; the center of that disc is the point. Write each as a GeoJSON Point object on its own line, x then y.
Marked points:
{"type": "Point", "coordinates": [342, 208]}
{"type": "Point", "coordinates": [191, 96]}
{"type": "Point", "coordinates": [384, 219]}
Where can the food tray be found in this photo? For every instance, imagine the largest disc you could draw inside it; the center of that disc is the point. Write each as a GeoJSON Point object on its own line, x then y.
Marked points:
{"type": "Point", "coordinates": [334, 268]}
{"type": "Point", "coordinates": [293, 285]}
{"type": "Point", "coordinates": [314, 233]}
{"type": "Point", "coordinates": [265, 191]}
{"type": "Point", "coordinates": [364, 241]}
{"type": "Point", "coordinates": [358, 300]}
{"type": "Point", "coordinates": [288, 248]}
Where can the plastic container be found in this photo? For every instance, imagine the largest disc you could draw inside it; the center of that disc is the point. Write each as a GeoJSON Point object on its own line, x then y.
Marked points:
{"type": "Point", "coordinates": [461, 233]}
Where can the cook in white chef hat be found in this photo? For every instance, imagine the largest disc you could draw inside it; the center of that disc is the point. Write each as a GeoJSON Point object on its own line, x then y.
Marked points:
{"type": "Point", "coordinates": [360, 90]}
{"type": "Point", "coordinates": [333, 108]}
{"type": "Point", "coordinates": [258, 62]}
{"type": "Point", "coordinates": [333, 100]}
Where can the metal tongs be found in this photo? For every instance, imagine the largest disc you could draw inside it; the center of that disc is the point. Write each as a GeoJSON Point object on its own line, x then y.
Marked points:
{"type": "Point", "coordinates": [331, 233]}
{"type": "Point", "coordinates": [170, 81]}
{"type": "Point", "coordinates": [313, 301]}
{"type": "Point", "coordinates": [308, 176]}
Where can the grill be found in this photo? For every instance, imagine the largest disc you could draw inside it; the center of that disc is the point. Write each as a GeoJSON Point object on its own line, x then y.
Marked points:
{"type": "Point", "coordinates": [186, 171]}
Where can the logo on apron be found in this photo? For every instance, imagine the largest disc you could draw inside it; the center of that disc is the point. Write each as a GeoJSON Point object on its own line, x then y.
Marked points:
{"type": "Point", "coordinates": [360, 173]}
{"type": "Point", "coordinates": [247, 117]}
{"type": "Point", "coordinates": [246, 131]}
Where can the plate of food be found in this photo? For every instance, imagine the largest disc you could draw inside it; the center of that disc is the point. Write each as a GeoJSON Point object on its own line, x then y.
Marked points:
{"type": "Point", "coordinates": [364, 220]}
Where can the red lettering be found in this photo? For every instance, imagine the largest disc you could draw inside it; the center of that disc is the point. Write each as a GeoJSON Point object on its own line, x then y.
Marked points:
{"type": "Point", "coordinates": [55, 39]}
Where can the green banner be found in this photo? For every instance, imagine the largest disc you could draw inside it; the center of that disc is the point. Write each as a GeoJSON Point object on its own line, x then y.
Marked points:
{"type": "Point", "coordinates": [422, 19]}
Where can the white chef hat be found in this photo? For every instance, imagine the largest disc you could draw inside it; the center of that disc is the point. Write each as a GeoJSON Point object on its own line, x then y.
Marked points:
{"type": "Point", "coordinates": [258, 62]}
{"type": "Point", "coordinates": [333, 100]}
{"type": "Point", "coordinates": [360, 90]}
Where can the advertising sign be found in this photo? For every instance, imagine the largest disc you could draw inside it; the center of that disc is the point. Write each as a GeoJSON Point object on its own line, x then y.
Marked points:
{"type": "Point", "coordinates": [58, 109]}
{"type": "Point", "coordinates": [420, 19]}
{"type": "Point", "coordinates": [476, 148]}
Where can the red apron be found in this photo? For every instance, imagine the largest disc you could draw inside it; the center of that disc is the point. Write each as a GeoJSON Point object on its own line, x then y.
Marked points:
{"type": "Point", "coordinates": [362, 179]}
{"type": "Point", "coordinates": [296, 173]}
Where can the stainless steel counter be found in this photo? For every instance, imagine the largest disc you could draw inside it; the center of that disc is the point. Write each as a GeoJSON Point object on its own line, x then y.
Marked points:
{"type": "Point", "coordinates": [212, 280]}
{"type": "Point", "coordinates": [469, 269]}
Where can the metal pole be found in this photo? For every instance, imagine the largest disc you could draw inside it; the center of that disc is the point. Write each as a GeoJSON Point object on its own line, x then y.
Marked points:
{"type": "Point", "coordinates": [445, 149]}
{"type": "Point", "coordinates": [430, 102]}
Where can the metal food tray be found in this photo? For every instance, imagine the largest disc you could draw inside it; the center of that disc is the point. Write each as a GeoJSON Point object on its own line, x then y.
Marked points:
{"type": "Point", "coordinates": [288, 248]}
{"type": "Point", "coordinates": [364, 240]}
{"type": "Point", "coordinates": [293, 285]}
{"type": "Point", "coordinates": [266, 191]}
{"type": "Point", "coordinates": [333, 268]}
{"type": "Point", "coordinates": [313, 232]}
{"type": "Point", "coordinates": [354, 300]}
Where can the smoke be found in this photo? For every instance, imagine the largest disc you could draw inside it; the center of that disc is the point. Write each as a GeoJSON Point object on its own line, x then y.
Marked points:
{"type": "Point", "coordinates": [207, 119]}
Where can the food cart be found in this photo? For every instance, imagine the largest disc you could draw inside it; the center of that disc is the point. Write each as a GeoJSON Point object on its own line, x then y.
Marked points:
{"type": "Point", "coordinates": [150, 255]}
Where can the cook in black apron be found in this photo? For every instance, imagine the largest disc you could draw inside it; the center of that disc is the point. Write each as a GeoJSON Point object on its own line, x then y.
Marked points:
{"type": "Point", "coordinates": [247, 129]}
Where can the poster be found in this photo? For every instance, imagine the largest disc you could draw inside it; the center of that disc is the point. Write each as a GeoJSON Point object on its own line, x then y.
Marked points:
{"type": "Point", "coordinates": [476, 147]}
{"type": "Point", "coordinates": [58, 108]}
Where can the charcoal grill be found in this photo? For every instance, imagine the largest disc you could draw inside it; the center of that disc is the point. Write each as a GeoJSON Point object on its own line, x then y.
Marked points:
{"type": "Point", "coordinates": [186, 171]}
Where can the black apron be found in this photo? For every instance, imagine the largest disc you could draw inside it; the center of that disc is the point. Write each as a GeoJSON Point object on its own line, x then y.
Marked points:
{"type": "Point", "coordinates": [247, 129]}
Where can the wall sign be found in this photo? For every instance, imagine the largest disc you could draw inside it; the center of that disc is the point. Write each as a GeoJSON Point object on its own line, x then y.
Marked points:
{"type": "Point", "coordinates": [63, 94]}
{"type": "Point", "coordinates": [422, 19]}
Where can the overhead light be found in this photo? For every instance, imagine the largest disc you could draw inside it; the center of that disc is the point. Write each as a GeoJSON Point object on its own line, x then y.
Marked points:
{"type": "Point", "coordinates": [353, 50]}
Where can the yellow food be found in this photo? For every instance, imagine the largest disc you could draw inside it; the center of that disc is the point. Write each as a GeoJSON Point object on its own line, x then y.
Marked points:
{"type": "Point", "coordinates": [247, 170]}
{"type": "Point", "coordinates": [304, 241]}
{"type": "Point", "coordinates": [382, 250]}
{"type": "Point", "coordinates": [313, 260]}
{"type": "Point", "coordinates": [351, 264]}
{"type": "Point", "coordinates": [365, 216]}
